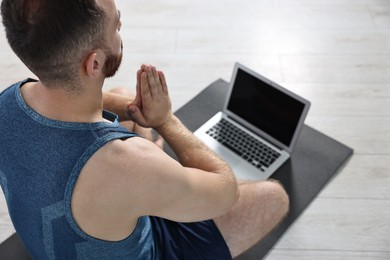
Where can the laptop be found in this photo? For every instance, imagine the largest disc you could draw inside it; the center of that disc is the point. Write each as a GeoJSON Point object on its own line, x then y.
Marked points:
{"type": "Point", "coordinates": [259, 125]}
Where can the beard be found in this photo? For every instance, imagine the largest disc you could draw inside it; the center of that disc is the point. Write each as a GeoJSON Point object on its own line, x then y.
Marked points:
{"type": "Point", "coordinates": [112, 63]}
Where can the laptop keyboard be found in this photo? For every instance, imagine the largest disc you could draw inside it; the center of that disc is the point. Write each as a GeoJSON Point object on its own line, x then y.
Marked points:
{"type": "Point", "coordinates": [247, 147]}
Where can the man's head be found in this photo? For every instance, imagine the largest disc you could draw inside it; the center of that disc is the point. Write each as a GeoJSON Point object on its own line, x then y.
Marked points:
{"type": "Point", "coordinates": [53, 37]}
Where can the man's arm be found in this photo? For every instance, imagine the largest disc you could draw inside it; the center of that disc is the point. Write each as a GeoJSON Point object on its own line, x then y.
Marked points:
{"type": "Point", "coordinates": [152, 108]}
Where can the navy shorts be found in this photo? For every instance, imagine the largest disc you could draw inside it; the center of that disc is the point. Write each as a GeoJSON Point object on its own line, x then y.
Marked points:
{"type": "Point", "coordinates": [182, 241]}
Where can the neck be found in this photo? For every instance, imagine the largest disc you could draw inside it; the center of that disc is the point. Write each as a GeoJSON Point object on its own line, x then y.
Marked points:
{"type": "Point", "coordinates": [57, 104]}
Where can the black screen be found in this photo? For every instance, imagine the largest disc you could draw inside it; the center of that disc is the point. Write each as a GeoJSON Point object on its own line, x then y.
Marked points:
{"type": "Point", "coordinates": [265, 107]}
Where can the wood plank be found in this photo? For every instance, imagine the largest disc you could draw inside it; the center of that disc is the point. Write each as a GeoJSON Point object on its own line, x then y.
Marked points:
{"type": "Point", "coordinates": [365, 177]}
{"type": "Point", "coordinates": [256, 14]}
{"type": "Point", "coordinates": [292, 254]}
{"type": "Point", "coordinates": [332, 2]}
{"type": "Point", "coordinates": [337, 69]}
{"type": "Point", "coordinates": [381, 16]}
{"type": "Point", "coordinates": [358, 225]}
{"type": "Point", "coordinates": [329, 100]}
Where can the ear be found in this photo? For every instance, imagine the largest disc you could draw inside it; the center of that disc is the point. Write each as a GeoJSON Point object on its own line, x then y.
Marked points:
{"type": "Point", "coordinates": [93, 64]}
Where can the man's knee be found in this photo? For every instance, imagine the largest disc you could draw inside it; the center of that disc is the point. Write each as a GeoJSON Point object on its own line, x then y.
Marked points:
{"type": "Point", "coordinates": [121, 91]}
{"type": "Point", "coordinates": [278, 197]}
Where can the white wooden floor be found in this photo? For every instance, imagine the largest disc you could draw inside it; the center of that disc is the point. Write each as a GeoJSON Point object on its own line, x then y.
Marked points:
{"type": "Point", "coordinates": [335, 53]}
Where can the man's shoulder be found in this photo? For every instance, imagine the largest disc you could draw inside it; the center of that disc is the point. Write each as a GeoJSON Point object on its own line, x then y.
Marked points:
{"type": "Point", "coordinates": [120, 157]}
{"type": "Point", "coordinates": [129, 148]}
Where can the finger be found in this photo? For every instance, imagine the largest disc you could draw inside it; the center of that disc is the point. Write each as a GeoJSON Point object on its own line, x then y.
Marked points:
{"type": "Point", "coordinates": [139, 72]}
{"type": "Point", "coordinates": [157, 80]}
{"type": "Point", "coordinates": [138, 88]}
{"type": "Point", "coordinates": [154, 72]}
{"type": "Point", "coordinates": [152, 81]}
{"type": "Point", "coordinates": [138, 78]}
{"type": "Point", "coordinates": [163, 82]}
{"type": "Point", "coordinates": [145, 87]}
{"type": "Point", "coordinates": [135, 115]}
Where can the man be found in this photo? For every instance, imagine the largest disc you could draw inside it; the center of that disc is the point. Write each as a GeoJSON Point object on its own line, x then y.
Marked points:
{"type": "Point", "coordinates": [78, 184]}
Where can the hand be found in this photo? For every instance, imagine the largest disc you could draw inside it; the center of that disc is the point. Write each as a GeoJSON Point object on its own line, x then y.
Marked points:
{"type": "Point", "coordinates": [152, 105]}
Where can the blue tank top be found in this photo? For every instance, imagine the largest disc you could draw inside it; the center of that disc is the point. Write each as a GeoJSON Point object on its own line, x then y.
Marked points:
{"type": "Point", "coordinates": [40, 161]}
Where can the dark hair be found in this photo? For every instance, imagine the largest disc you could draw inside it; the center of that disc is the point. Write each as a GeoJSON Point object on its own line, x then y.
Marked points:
{"type": "Point", "coordinates": [51, 37]}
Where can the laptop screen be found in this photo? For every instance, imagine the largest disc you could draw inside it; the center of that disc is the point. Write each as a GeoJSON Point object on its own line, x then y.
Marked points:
{"type": "Point", "coordinates": [266, 107]}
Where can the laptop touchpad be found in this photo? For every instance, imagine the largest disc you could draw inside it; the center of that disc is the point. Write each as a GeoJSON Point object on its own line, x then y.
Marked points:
{"type": "Point", "coordinates": [231, 159]}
